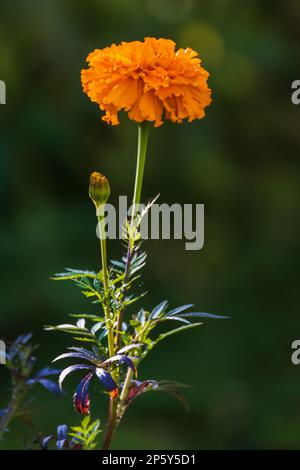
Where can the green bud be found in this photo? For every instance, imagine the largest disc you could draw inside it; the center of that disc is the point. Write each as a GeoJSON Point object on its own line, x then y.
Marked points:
{"type": "Point", "coordinates": [99, 189]}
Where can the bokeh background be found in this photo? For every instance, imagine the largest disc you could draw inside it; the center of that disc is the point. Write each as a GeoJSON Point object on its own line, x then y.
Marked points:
{"type": "Point", "coordinates": [241, 161]}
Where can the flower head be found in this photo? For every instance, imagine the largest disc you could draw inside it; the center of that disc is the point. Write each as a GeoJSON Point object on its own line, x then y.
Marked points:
{"type": "Point", "coordinates": [148, 79]}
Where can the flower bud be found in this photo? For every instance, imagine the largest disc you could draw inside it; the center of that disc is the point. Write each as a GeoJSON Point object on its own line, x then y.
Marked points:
{"type": "Point", "coordinates": [99, 189]}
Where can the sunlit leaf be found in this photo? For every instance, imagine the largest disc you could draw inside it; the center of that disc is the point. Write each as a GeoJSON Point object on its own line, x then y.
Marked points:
{"type": "Point", "coordinates": [159, 309]}
{"type": "Point", "coordinates": [177, 330]}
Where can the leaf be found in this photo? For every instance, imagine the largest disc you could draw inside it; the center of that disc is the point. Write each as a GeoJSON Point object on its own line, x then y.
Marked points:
{"type": "Point", "coordinates": [65, 326]}
{"type": "Point", "coordinates": [175, 389]}
{"type": "Point", "coordinates": [170, 387]}
{"type": "Point", "coordinates": [87, 352]}
{"type": "Point", "coordinates": [177, 330]}
{"type": "Point", "coordinates": [81, 323]}
{"type": "Point", "coordinates": [158, 310]}
{"type": "Point", "coordinates": [121, 359]}
{"type": "Point", "coordinates": [81, 399]}
{"type": "Point", "coordinates": [62, 432]}
{"type": "Point", "coordinates": [86, 316]}
{"type": "Point", "coordinates": [141, 316]}
{"type": "Point", "coordinates": [129, 348]}
{"type": "Point", "coordinates": [108, 381]}
{"type": "Point", "coordinates": [97, 327]}
{"type": "Point", "coordinates": [202, 314]}
{"type": "Point", "coordinates": [85, 422]}
{"type": "Point", "coordinates": [86, 340]}
{"type": "Point", "coordinates": [131, 300]}
{"type": "Point", "coordinates": [103, 334]}
{"type": "Point", "coordinates": [72, 274]}
{"type": "Point", "coordinates": [68, 328]}
{"type": "Point", "coordinates": [89, 293]}
{"type": "Point", "coordinates": [177, 319]}
{"type": "Point", "coordinates": [80, 355]}
{"type": "Point", "coordinates": [50, 386]}
{"type": "Point", "coordinates": [70, 369]}
{"type": "Point", "coordinates": [45, 442]}
{"type": "Point", "coordinates": [118, 264]}
{"type": "Point", "coordinates": [46, 372]}
{"type": "Point", "coordinates": [179, 309]}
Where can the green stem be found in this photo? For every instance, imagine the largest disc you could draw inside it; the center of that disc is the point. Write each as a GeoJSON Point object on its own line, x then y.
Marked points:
{"type": "Point", "coordinates": [101, 224]}
{"type": "Point", "coordinates": [143, 132]}
{"type": "Point", "coordinates": [110, 334]}
{"type": "Point", "coordinates": [18, 393]}
{"type": "Point", "coordinates": [140, 166]}
{"type": "Point", "coordinates": [111, 424]}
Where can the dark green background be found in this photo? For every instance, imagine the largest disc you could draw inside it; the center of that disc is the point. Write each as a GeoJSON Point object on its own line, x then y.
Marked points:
{"type": "Point", "coordinates": [241, 161]}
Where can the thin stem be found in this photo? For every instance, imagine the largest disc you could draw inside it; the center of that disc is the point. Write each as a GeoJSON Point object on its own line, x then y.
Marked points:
{"type": "Point", "coordinates": [18, 393]}
{"type": "Point", "coordinates": [140, 166]}
{"type": "Point", "coordinates": [111, 425]}
{"type": "Point", "coordinates": [143, 132]}
{"type": "Point", "coordinates": [110, 334]}
{"type": "Point", "coordinates": [101, 221]}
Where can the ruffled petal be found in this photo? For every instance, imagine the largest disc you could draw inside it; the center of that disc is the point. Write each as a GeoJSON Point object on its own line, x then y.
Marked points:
{"type": "Point", "coordinates": [148, 79]}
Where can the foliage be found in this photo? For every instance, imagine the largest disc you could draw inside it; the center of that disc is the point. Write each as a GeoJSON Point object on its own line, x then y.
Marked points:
{"type": "Point", "coordinates": [134, 335]}
{"type": "Point", "coordinates": [19, 362]}
{"type": "Point", "coordinates": [81, 437]}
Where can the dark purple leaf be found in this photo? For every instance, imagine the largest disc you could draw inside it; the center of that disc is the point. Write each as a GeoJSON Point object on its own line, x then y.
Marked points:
{"type": "Point", "coordinates": [45, 442]}
{"type": "Point", "coordinates": [89, 354]}
{"type": "Point", "coordinates": [62, 431]}
{"type": "Point", "coordinates": [137, 387]}
{"type": "Point", "coordinates": [81, 398]}
{"type": "Point", "coordinates": [70, 369]}
{"type": "Point", "coordinates": [108, 381]}
{"type": "Point", "coordinates": [61, 443]}
{"type": "Point", "coordinates": [126, 360]}
{"type": "Point", "coordinates": [121, 359]}
{"type": "Point", "coordinates": [23, 339]}
{"type": "Point", "coordinates": [77, 355]}
{"type": "Point", "coordinates": [46, 372]}
{"type": "Point", "coordinates": [173, 388]}
{"type": "Point", "coordinates": [51, 386]}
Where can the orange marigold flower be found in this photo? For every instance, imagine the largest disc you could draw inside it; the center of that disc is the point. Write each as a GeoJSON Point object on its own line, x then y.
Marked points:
{"type": "Point", "coordinates": [149, 80]}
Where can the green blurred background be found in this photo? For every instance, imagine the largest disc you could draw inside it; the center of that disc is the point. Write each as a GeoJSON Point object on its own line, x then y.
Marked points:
{"type": "Point", "coordinates": [241, 161]}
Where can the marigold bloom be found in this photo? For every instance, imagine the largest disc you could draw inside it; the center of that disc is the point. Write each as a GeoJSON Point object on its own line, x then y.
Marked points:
{"type": "Point", "coordinates": [149, 80]}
